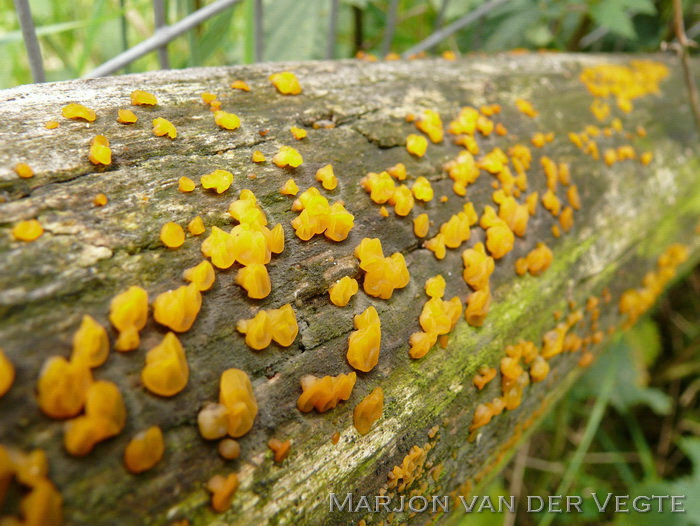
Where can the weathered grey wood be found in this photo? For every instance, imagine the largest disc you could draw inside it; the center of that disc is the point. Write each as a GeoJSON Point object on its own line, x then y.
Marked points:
{"type": "Point", "coordinates": [630, 214]}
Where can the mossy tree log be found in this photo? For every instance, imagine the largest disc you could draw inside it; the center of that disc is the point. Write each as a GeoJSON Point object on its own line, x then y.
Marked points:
{"type": "Point", "coordinates": [88, 254]}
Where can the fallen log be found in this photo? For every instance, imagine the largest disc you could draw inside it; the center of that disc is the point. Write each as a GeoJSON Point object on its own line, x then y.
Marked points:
{"type": "Point", "coordinates": [355, 116]}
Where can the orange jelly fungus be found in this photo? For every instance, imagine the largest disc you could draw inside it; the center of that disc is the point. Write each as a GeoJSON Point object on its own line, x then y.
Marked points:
{"type": "Point", "coordinates": [435, 286]}
{"type": "Point", "coordinates": [525, 107]}
{"type": "Point", "coordinates": [227, 121]}
{"type": "Point", "coordinates": [327, 178]}
{"type": "Point", "coordinates": [343, 290]}
{"type": "Point", "coordinates": [402, 200]}
{"type": "Point", "coordinates": [422, 190]}
{"type": "Point", "coordinates": [126, 117]}
{"type": "Point", "coordinates": [213, 420]}
{"type": "Point", "coordinates": [185, 185]}
{"type": "Point", "coordinates": [325, 393]}
{"type": "Point", "coordinates": [486, 374]}
{"type": "Point", "coordinates": [128, 313]}
{"type": "Point", "coordinates": [172, 235]}
{"type": "Point", "coordinates": [398, 171]}
{"type": "Point", "coordinates": [236, 395]}
{"type": "Point", "coordinates": [258, 157]}
{"type": "Point", "coordinates": [317, 217]}
{"type": "Point", "coordinates": [27, 230]}
{"type": "Point", "coordinates": [78, 111]}
{"type": "Point", "coordinates": [478, 304]}
{"type": "Point", "coordinates": [421, 224]}
{"type": "Point", "coordinates": [222, 490]}
{"type": "Point", "coordinates": [219, 180]}
{"type": "Point", "coordinates": [219, 246]}
{"type": "Point", "coordinates": [163, 127]}
{"type": "Point", "coordinates": [229, 449]}
{"type": "Point", "coordinates": [382, 274]}
{"type": "Point", "coordinates": [240, 85]}
{"type": "Point", "coordinates": [100, 152]}
{"type": "Point", "coordinates": [298, 133]}
{"type": "Point", "coordinates": [286, 83]}
{"type": "Point", "coordinates": [536, 262]}
{"type": "Point", "coordinates": [62, 387]}
{"type": "Point", "coordinates": [421, 343]}
{"type": "Point", "coordinates": [7, 375]}
{"type": "Point", "coordinates": [166, 371]}
{"type": "Point", "coordinates": [430, 123]}
{"type": "Point", "coordinates": [178, 309]}
{"type": "Point", "coordinates": [289, 188]}
{"type": "Point", "coordinates": [380, 186]}
{"type": "Point", "coordinates": [368, 411]}
{"type": "Point", "coordinates": [279, 325]}
{"type": "Point", "coordinates": [287, 156]}
{"type": "Point", "coordinates": [90, 343]}
{"type": "Point", "coordinates": [202, 276]}
{"type": "Point", "coordinates": [143, 98]}
{"type": "Point", "coordinates": [105, 417]}
{"type": "Point", "coordinates": [51, 125]}
{"type": "Point", "coordinates": [255, 279]}
{"type": "Point", "coordinates": [364, 343]}
{"type": "Point", "coordinates": [478, 267]}
{"type": "Point", "coordinates": [416, 145]}
{"type": "Point", "coordinates": [24, 170]}
{"type": "Point", "coordinates": [279, 449]}
{"type": "Point", "coordinates": [100, 200]}
{"type": "Point", "coordinates": [145, 450]}
{"type": "Point", "coordinates": [196, 226]}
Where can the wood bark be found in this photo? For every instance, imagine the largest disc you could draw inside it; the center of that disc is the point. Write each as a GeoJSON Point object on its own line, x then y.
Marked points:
{"type": "Point", "coordinates": [630, 214]}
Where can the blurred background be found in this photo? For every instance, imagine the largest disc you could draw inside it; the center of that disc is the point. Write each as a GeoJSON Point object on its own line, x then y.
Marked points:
{"type": "Point", "coordinates": [642, 436]}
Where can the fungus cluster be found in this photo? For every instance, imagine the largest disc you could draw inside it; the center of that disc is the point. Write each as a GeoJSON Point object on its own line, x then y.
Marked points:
{"type": "Point", "coordinates": [382, 274]}
{"type": "Point", "coordinates": [318, 216]}
{"type": "Point", "coordinates": [278, 325]}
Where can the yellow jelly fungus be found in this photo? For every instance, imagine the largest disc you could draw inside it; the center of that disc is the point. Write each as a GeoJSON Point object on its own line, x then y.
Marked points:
{"type": "Point", "coordinates": [258, 157]}
{"type": "Point", "coordinates": [51, 125]}
{"type": "Point", "coordinates": [215, 105]}
{"type": "Point", "coordinates": [383, 212]}
{"type": "Point", "coordinates": [381, 186]}
{"type": "Point", "coordinates": [280, 449]}
{"type": "Point", "coordinates": [573, 197]}
{"type": "Point", "coordinates": [24, 170]}
{"type": "Point", "coordinates": [229, 449]}
{"type": "Point", "coordinates": [478, 304]}
{"type": "Point", "coordinates": [219, 246]}
{"type": "Point", "coordinates": [27, 230]}
{"type": "Point", "coordinates": [327, 178]}
{"type": "Point", "coordinates": [163, 127]}
{"type": "Point", "coordinates": [526, 108]}
{"type": "Point", "coordinates": [382, 274]}
{"type": "Point", "coordinates": [478, 267]}
{"type": "Point", "coordinates": [539, 259]}
{"type": "Point", "coordinates": [435, 286]}
{"type": "Point", "coordinates": [437, 246]}
{"type": "Point", "coordinates": [499, 240]}
{"type": "Point", "coordinates": [202, 276]}
{"type": "Point", "coordinates": [172, 235]}
{"type": "Point", "coordinates": [145, 450]}
{"type": "Point", "coordinates": [416, 145]}
{"type": "Point", "coordinates": [143, 98]}
{"type": "Point", "coordinates": [422, 190]}
{"type": "Point", "coordinates": [208, 98]}
{"type": "Point", "coordinates": [364, 343]}
{"type": "Point", "coordinates": [286, 83]}
{"type": "Point", "coordinates": [255, 280]}
{"type": "Point", "coordinates": [486, 374]}
{"type": "Point", "coordinates": [556, 232]}
{"type": "Point", "coordinates": [342, 290]}
{"type": "Point", "coordinates": [196, 226]}
{"type": "Point", "coordinates": [7, 376]}
{"type": "Point", "coordinates": [287, 156]}
{"type": "Point", "coordinates": [566, 219]}
{"type": "Point", "coordinates": [284, 325]}
{"type": "Point", "coordinates": [515, 215]}
{"type": "Point", "coordinates": [128, 313]}
{"type": "Point", "coordinates": [185, 185]}
{"type": "Point", "coordinates": [227, 121]}
{"type": "Point", "coordinates": [398, 171]}
{"type": "Point", "coordinates": [100, 152]}
{"type": "Point", "coordinates": [219, 180]}
{"type": "Point", "coordinates": [166, 371]}
{"type": "Point", "coordinates": [126, 117]}
{"type": "Point", "coordinates": [484, 125]}
{"type": "Point", "coordinates": [289, 188]}
{"type": "Point", "coordinates": [430, 123]}
{"type": "Point", "coordinates": [402, 200]}
{"type": "Point", "coordinates": [178, 309]}
{"type": "Point", "coordinates": [421, 224]}
{"type": "Point", "coordinates": [223, 490]}
{"type": "Point", "coordinates": [501, 130]}
{"type": "Point", "coordinates": [240, 85]}
{"type": "Point", "coordinates": [456, 230]}
{"type": "Point", "coordinates": [298, 133]}
{"type": "Point", "coordinates": [368, 411]}
{"type": "Point", "coordinates": [100, 200]}
{"type": "Point", "coordinates": [257, 330]}
{"type": "Point", "coordinates": [236, 394]}
{"type": "Point", "coordinates": [213, 421]}
{"type": "Point", "coordinates": [646, 158]}
{"type": "Point", "coordinates": [90, 343]}
{"type": "Point", "coordinates": [325, 393]}
{"type": "Point", "coordinates": [62, 387]}
{"type": "Point", "coordinates": [551, 202]}
{"type": "Point", "coordinates": [78, 111]}
{"type": "Point", "coordinates": [421, 343]}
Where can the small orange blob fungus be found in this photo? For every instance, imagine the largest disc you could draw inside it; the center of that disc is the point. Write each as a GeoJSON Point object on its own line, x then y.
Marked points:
{"type": "Point", "coordinates": [219, 180]}
{"type": "Point", "coordinates": [196, 226]}
{"type": "Point", "coordinates": [566, 219]}
{"type": "Point", "coordinates": [402, 200]}
{"type": "Point", "coordinates": [100, 200]}
{"type": "Point", "coordinates": [382, 274]}
{"type": "Point", "coordinates": [486, 374]}
{"type": "Point", "coordinates": [335, 438]}
{"type": "Point", "coordinates": [24, 170]}
{"type": "Point", "coordinates": [240, 85]}
{"type": "Point", "coordinates": [383, 212]}
{"type": "Point", "coordinates": [78, 111]}
{"type": "Point", "coordinates": [437, 246]}
{"type": "Point", "coordinates": [325, 393]}
{"type": "Point", "coordinates": [364, 343]}
{"type": "Point", "coordinates": [478, 304]}
{"type": "Point", "coordinates": [227, 121]}
{"type": "Point", "coordinates": [646, 158]}
{"type": "Point", "coordinates": [289, 188]}
{"type": "Point", "coordinates": [421, 224]}
{"type": "Point", "coordinates": [178, 309]}
{"type": "Point", "coordinates": [398, 171]}
{"type": "Point", "coordinates": [208, 98]}
{"type": "Point", "coordinates": [100, 152]}
{"type": "Point", "coordinates": [573, 197]}
{"type": "Point", "coordinates": [279, 449]}
{"type": "Point", "coordinates": [255, 279]}
{"type": "Point", "coordinates": [145, 450]}
{"type": "Point", "coordinates": [422, 190]}
{"type": "Point", "coordinates": [525, 107]}
{"type": "Point", "coordinates": [287, 156]}
{"type": "Point", "coordinates": [143, 98]}
{"type": "Point", "coordinates": [202, 275]}
{"type": "Point", "coordinates": [51, 125]}
{"type": "Point", "coordinates": [7, 377]}
{"type": "Point", "coordinates": [213, 421]}
{"type": "Point", "coordinates": [430, 123]}
{"type": "Point", "coordinates": [298, 133]}
{"type": "Point", "coordinates": [229, 449]}
{"type": "Point", "coordinates": [236, 394]}
{"type": "Point", "coordinates": [257, 330]}
{"type": "Point", "coordinates": [27, 230]}
{"type": "Point", "coordinates": [185, 185]}
{"type": "Point", "coordinates": [416, 145]}
{"type": "Point", "coordinates": [62, 387]}
{"type": "Point", "coordinates": [223, 490]}
{"type": "Point", "coordinates": [126, 117]}
{"type": "Point", "coordinates": [128, 313]}
{"type": "Point", "coordinates": [166, 372]}
{"type": "Point", "coordinates": [327, 178]}
{"type": "Point", "coordinates": [90, 343]}
{"type": "Point", "coordinates": [435, 286]}
{"type": "Point", "coordinates": [220, 247]}
{"type": "Point", "coordinates": [482, 416]}
{"type": "Point", "coordinates": [172, 235]}
{"type": "Point", "coordinates": [499, 240]}
{"type": "Point", "coordinates": [478, 267]}
{"type": "Point", "coordinates": [421, 343]}
{"type": "Point", "coordinates": [368, 411]}
{"type": "Point", "coordinates": [163, 127]}
{"type": "Point", "coordinates": [258, 157]}
{"type": "Point", "coordinates": [342, 290]}
{"type": "Point", "coordinates": [380, 186]}
{"type": "Point", "coordinates": [286, 83]}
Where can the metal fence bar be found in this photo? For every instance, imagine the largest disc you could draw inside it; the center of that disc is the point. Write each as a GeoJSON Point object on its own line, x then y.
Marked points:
{"type": "Point", "coordinates": [332, 29]}
{"type": "Point", "coordinates": [390, 27]}
{"type": "Point", "coordinates": [440, 35]}
{"type": "Point", "coordinates": [160, 37]}
{"type": "Point", "coordinates": [259, 31]}
{"type": "Point", "coordinates": [159, 17]}
{"type": "Point", "coordinates": [31, 43]}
